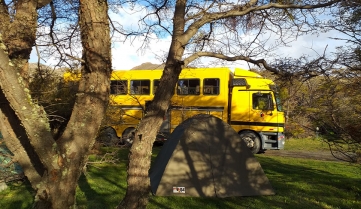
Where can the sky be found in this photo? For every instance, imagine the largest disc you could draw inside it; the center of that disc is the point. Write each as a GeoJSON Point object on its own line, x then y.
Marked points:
{"type": "Point", "coordinates": [127, 55]}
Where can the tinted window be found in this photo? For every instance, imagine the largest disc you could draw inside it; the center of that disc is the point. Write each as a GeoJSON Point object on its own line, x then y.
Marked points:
{"type": "Point", "coordinates": [211, 86]}
{"type": "Point", "coordinates": [188, 87]}
{"type": "Point", "coordinates": [118, 87]}
{"type": "Point", "coordinates": [278, 102]}
{"type": "Point", "coordinates": [140, 87]}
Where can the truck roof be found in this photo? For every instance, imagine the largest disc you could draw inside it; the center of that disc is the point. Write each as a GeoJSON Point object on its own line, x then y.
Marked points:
{"type": "Point", "coordinates": [238, 72]}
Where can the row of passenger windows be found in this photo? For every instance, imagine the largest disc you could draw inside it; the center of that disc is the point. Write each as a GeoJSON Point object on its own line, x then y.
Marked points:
{"type": "Point", "coordinates": [211, 86]}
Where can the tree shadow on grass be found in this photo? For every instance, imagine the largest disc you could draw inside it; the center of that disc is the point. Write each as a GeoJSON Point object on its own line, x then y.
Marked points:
{"type": "Point", "coordinates": [102, 187]}
{"type": "Point", "coordinates": [88, 196]}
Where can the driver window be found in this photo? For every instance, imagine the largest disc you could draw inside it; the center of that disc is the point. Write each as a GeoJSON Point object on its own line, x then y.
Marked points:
{"type": "Point", "coordinates": [262, 101]}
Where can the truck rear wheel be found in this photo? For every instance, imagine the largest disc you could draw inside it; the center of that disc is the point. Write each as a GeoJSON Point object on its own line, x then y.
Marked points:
{"type": "Point", "coordinates": [252, 140]}
{"type": "Point", "coordinates": [108, 137]}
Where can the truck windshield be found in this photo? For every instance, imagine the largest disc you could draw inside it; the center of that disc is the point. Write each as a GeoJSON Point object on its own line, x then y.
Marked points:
{"type": "Point", "coordinates": [278, 102]}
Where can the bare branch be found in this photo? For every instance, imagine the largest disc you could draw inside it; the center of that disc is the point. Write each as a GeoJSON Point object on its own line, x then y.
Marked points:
{"type": "Point", "coordinates": [259, 62]}
{"type": "Point", "coordinates": [241, 10]}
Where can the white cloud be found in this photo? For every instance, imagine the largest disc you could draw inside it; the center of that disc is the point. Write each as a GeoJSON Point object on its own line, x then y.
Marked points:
{"type": "Point", "coordinates": [311, 45]}
{"type": "Point", "coordinates": [127, 55]}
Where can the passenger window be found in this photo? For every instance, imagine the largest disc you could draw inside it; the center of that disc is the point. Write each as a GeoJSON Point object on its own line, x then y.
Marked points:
{"type": "Point", "coordinates": [140, 87]}
{"type": "Point", "coordinates": [211, 86]}
{"type": "Point", "coordinates": [188, 87]}
{"type": "Point", "coordinates": [262, 101]}
{"type": "Point", "coordinates": [119, 87]}
{"type": "Point", "coordinates": [155, 85]}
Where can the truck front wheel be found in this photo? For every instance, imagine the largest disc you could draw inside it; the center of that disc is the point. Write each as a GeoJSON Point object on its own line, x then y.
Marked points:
{"type": "Point", "coordinates": [252, 140]}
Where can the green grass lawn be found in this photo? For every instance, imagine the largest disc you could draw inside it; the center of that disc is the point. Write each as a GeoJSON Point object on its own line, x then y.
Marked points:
{"type": "Point", "coordinates": [298, 183]}
{"type": "Point", "coordinates": [308, 144]}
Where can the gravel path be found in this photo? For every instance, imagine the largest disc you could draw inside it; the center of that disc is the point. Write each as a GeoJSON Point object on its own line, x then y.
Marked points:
{"type": "Point", "coordinates": [323, 155]}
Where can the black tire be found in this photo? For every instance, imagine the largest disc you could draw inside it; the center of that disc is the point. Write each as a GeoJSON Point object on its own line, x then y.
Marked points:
{"type": "Point", "coordinates": [252, 141]}
{"type": "Point", "coordinates": [128, 135]}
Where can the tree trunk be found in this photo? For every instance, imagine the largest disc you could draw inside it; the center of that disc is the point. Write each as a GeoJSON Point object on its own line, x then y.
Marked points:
{"type": "Point", "coordinates": [138, 189]}
{"type": "Point", "coordinates": [53, 167]}
{"type": "Point", "coordinates": [90, 105]}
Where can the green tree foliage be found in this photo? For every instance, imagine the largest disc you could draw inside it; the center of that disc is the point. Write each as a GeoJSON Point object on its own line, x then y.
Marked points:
{"type": "Point", "coordinates": [331, 103]}
{"type": "Point", "coordinates": [337, 112]}
{"type": "Point", "coordinates": [336, 107]}
{"type": "Point", "coordinates": [48, 88]}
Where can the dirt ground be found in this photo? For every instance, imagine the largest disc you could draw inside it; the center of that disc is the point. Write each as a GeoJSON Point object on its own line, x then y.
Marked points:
{"type": "Point", "coordinates": [324, 155]}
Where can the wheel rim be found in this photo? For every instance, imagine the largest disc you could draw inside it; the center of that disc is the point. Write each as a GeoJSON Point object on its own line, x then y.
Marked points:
{"type": "Point", "coordinates": [130, 137]}
{"type": "Point", "coordinates": [249, 141]}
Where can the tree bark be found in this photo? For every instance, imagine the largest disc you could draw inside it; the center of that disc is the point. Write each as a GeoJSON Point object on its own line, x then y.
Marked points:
{"type": "Point", "coordinates": [53, 167]}
{"type": "Point", "coordinates": [138, 189]}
